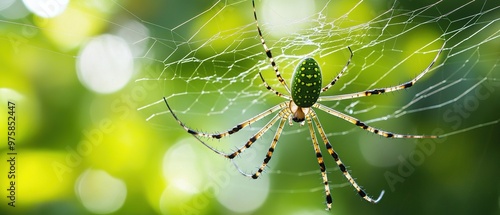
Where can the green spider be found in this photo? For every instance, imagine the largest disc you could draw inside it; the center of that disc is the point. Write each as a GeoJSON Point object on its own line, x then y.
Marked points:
{"type": "Point", "coordinates": [305, 94]}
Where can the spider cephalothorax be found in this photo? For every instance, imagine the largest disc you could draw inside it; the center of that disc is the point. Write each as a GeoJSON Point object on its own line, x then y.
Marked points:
{"type": "Point", "coordinates": [299, 107]}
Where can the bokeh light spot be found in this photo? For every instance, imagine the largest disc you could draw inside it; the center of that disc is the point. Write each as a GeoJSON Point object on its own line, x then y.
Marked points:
{"type": "Point", "coordinates": [63, 31]}
{"type": "Point", "coordinates": [6, 4]}
{"type": "Point", "coordinates": [192, 174]}
{"type": "Point", "coordinates": [99, 192]}
{"type": "Point", "coordinates": [12, 9]}
{"type": "Point", "coordinates": [255, 193]}
{"type": "Point", "coordinates": [134, 33]}
{"type": "Point", "coordinates": [285, 16]}
{"type": "Point", "coordinates": [183, 168]}
{"type": "Point", "coordinates": [105, 64]}
{"type": "Point", "coordinates": [46, 8]}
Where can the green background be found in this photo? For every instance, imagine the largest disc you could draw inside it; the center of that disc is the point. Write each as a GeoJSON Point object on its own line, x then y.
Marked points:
{"type": "Point", "coordinates": [56, 114]}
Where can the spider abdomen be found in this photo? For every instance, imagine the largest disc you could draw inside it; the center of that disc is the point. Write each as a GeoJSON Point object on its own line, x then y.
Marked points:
{"type": "Point", "coordinates": [306, 83]}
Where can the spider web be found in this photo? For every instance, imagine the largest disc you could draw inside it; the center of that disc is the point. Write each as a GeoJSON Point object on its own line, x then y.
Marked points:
{"type": "Point", "coordinates": [205, 61]}
{"type": "Point", "coordinates": [205, 58]}
{"type": "Point", "coordinates": [207, 68]}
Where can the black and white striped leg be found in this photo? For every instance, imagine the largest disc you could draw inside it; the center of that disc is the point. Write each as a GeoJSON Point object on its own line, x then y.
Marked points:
{"type": "Point", "coordinates": [268, 87]}
{"type": "Point", "coordinates": [341, 165]}
{"type": "Point", "coordinates": [230, 131]}
{"type": "Point", "coordinates": [255, 137]}
{"type": "Point", "coordinates": [340, 74]}
{"type": "Point", "coordinates": [250, 141]}
{"type": "Point", "coordinates": [367, 127]}
{"type": "Point", "coordinates": [268, 51]}
{"type": "Point", "coordinates": [269, 152]}
{"type": "Point", "coordinates": [384, 90]}
{"type": "Point", "coordinates": [321, 163]}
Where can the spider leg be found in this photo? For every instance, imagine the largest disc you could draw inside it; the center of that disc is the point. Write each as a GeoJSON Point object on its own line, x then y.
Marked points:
{"type": "Point", "coordinates": [367, 127]}
{"type": "Point", "coordinates": [230, 131]}
{"type": "Point", "coordinates": [273, 90]}
{"type": "Point", "coordinates": [268, 51]}
{"type": "Point", "coordinates": [256, 136]}
{"type": "Point", "coordinates": [342, 167]}
{"type": "Point", "coordinates": [340, 74]}
{"type": "Point", "coordinates": [250, 141]}
{"type": "Point", "coordinates": [248, 144]}
{"type": "Point", "coordinates": [269, 152]}
{"type": "Point", "coordinates": [321, 163]}
{"type": "Point", "coordinates": [384, 90]}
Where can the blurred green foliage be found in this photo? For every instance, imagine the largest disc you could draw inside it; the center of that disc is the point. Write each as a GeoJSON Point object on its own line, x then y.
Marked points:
{"type": "Point", "coordinates": [65, 129]}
